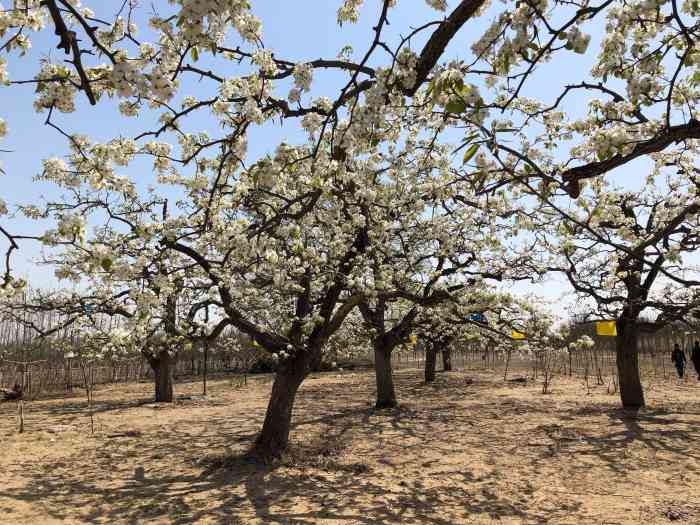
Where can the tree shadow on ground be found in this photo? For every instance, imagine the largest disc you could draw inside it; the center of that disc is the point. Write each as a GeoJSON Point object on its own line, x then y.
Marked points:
{"type": "Point", "coordinates": [346, 489]}
{"type": "Point", "coordinates": [651, 438]}
{"type": "Point", "coordinates": [240, 489]}
{"type": "Point", "coordinates": [377, 475]}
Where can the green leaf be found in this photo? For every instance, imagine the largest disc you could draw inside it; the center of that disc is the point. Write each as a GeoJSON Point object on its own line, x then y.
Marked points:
{"type": "Point", "coordinates": [195, 53]}
{"type": "Point", "coordinates": [456, 106]}
{"type": "Point", "coordinates": [467, 140]}
{"type": "Point", "coordinates": [465, 90]}
{"type": "Point", "coordinates": [106, 264]}
{"type": "Point", "coordinates": [437, 90]}
{"type": "Point", "coordinates": [471, 151]}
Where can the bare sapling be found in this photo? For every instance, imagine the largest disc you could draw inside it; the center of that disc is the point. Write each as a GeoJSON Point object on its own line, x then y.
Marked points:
{"type": "Point", "coordinates": [20, 414]}
{"type": "Point", "coordinates": [87, 381]}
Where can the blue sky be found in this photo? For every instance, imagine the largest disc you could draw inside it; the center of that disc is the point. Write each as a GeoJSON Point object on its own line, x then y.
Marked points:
{"type": "Point", "coordinates": [300, 30]}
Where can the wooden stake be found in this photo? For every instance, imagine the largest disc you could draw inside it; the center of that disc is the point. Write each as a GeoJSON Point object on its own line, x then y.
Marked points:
{"type": "Point", "coordinates": [20, 413]}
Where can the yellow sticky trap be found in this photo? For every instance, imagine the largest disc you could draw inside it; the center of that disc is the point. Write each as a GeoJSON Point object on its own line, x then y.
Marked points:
{"type": "Point", "coordinates": [517, 335]}
{"type": "Point", "coordinates": [412, 339]}
{"type": "Point", "coordinates": [608, 328]}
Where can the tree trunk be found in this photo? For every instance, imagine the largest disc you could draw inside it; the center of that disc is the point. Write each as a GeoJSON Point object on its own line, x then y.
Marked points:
{"type": "Point", "coordinates": [69, 376]}
{"type": "Point", "coordinates": [206, 367]}
{"type": "Point", "coordinates": [631, 392]}
{"type": "Point", "coordinates": [430, 362]}
{"type": "Point", "coordinates": [447, 360]}
{"type": "Point", "coordinates": [163, 366]}
{"type": "Point", "coordinates": [505, 372]}
{"type": "Point", "coordinates": [274, 436]}
{"type": "Point", "coordinates": [386, 395]}
{"type": "Point", "coordinates": [316, 362]}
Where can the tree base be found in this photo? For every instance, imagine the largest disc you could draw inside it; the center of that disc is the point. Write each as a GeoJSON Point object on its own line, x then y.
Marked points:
{"type": "Point", "coordinates": [386, 393]}
{"type": "Point", "coordinates": [163, 366]}
{"type": "Point", "coordinates": [261, 455]}
{"type": "Point", "coordinates": [379, 405]}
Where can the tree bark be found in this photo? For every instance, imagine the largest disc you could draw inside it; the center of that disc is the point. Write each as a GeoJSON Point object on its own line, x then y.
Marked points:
{"type": "Point", "coordinates": [386, 395]}
{"type": "Point", "coordinates": [631, 391]}
{"type": "Point", "coordinates": [316, 362]}
{"type": "Point", "coordinates": [430, 362]}
{"type": "Point", "coordinates": [274, 436]}
{"type": "Point", "coordinates": [163, 367]}
{"type": "Point", "coordinates": [447, 360]}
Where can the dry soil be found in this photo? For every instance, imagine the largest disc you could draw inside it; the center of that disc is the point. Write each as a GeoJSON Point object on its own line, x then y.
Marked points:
{"type": "Point", "coordinates": [469, 448]}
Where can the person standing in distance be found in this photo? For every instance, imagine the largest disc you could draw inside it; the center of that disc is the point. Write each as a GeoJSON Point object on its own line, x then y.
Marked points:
{"type": "Point", "coordinates": [695, 357]}
{"type": "Point", "coordinates": [678, 358]}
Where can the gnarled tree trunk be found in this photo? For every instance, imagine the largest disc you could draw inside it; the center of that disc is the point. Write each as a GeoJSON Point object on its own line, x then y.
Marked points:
{"type": "Point", "coordinates": [163, 365]}
{"type": "Point", "coordinates": [447, 360]}
{"type": "Point", "coordinates": [386, 395]}
{"type": "Point", "coordinates": [430, 362]}
{"type": "Point", "coordinates": [274, 436]}
{"type": "Point", "coordinates": [631, 392]}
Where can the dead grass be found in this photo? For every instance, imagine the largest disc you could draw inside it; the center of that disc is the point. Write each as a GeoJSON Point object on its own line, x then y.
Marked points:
{"type": "Point", "coordinates": [468, 449]}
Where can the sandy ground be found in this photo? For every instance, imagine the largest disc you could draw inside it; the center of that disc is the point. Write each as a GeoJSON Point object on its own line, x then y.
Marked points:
{"type": "Point", "coordinates": [467, 449]}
